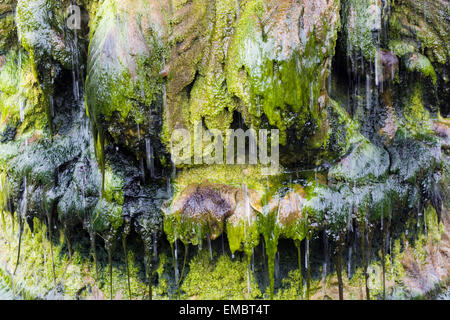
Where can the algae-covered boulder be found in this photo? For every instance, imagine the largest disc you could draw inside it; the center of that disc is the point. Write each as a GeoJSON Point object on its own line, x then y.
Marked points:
{"type": "Point", "coordinates": [291, 215]}
{"type": "Point", "coordinates": [126, 54]}
{"type": "Point", "coordinates": [417, 118]}
{"type": "Point", "coordinates": [416, 62]}
{"type": "Point", "coordinates": [201, 210]}
{"type": "Point", "coordinates": [107, 215]}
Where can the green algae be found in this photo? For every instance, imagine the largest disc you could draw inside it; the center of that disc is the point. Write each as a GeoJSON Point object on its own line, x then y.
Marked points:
{"type": "Point", "coordinates": [434, 227]}
{"type": "Point", "coordinates": [38, 284]}
{"type": "Point", "coordinates": [219, 279]}
{"type": "Point", "coordinates": [41, 36]}
{"type": "Point", "coordinates": [210, 98]}
{"type": "Point", "coordinates": [123, 85]}
{"type": "Point", "coordinates": [193, 231]}
{"type": "Point", "coordinates": [417, 118]}
{"type": "Point", "coordinates": [42, 157]}
{"type": "Point", "coordinates": [425, 23]}
{"type": "Point", "coordinates": [187, 230]}
{"type": "Point", "coordinates": [362, 18]}
{"type": "Point", "coordinates": [107, 215]}
{"type": "Point", "coordinates": [417, 62]}
{"type": "Point", "coordinates": [401, 48]}
{"type": "Point", "coordinates": [271, 79]}
{"type": "Point", "coordinates": [379, 196]}
{"type": "Point", "coordinates": [74, 275]}
{"type": "Point", "coordinates": [235, 176]}
{"type": "Point", "coordinates": [278, 220]}
{"type": "Point", "coordinates": [8, 33]}
{"type": "Point", "coordinates": [279, 82]}
{"type": "Point", "coordinates": [417, 29]}
{"type": "Point", "coordinates": [20, 92]}
{"type": "Point", "coordinates": [243, 234]}
{"type": "Point", "coordinates": [343, 131]}
{"type": "Point", "coordinates": [271, 232]}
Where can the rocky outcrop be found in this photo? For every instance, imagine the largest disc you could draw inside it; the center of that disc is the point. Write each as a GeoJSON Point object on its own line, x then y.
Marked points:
{"type": "Point", "coordinates": [357, 89]}
{"type": "Point", "coordinates": [264, 60]}
{"type": "Point", "coordinates": [123, 89]}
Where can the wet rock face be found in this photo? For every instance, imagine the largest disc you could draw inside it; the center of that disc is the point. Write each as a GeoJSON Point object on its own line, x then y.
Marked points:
{"type": "Point", "coordinates": [123, 88]}
{"type": "Point", "coordinates": [262, 59]}
{"type": "Point", "coordinates": [283, 78]}
{"type": "Point", "coordinates": [41, 35]}
{"type": "Point", "coordinates": [421, 24]}
{"type": "Point", "coordinates": [362, 24]}
{"type": "Point", "coordinates": [419, 36]}
{"type": "Point", "coordinates": [253, 62]}
{"type": "Point", "coordinates": [376, 150]}
{"type": "Point", "coordinates": [412, 158]}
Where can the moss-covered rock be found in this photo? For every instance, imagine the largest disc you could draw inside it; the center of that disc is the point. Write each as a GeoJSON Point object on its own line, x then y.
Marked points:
{"type": "Point", "coordinates": [361, 26]}
{"type": "Point", "coordinates": [413, 159]}
{"type": "Point", "coordinates": [8, 32]}
{"type": "Point", "coordinates": [420, 64]}
{"type": "Point", "coordinates": [107, 215]}
{"type": "Point", "coordinates": [417, 117]}
{"type": "Point", "coordinates": [254, 63]}
{"type": "Point", "coordinates": [277, 71]}
{"type": "Point", "coordinates": [422, 25]}
{"type": "Point", "coordinates": [419, 35]}
{"type": "Point", "coordinates": [21, 96]}
{"type": "Point", "coordinates": [126, 54]}
{"type": "Point", "coordinates": [40, 30]}
{"type": "Point", "coordinates": [364, 164]}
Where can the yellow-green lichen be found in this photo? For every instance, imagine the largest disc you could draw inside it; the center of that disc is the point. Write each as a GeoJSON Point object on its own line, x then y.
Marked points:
{"type": "Point", "coordinates": [417, 118]}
